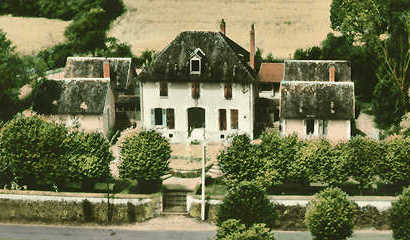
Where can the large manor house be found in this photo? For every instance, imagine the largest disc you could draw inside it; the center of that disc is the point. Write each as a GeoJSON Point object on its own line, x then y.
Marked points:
{"type": "Point", "coordinates": [203, 86]}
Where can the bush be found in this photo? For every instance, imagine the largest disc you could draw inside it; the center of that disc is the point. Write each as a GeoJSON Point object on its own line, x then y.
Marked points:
{"type": "Point", "coordinates": [145, 156]}
{"type": "Point", "coordinates": [318, 161]}
{"type": "Point", "coordinates": [232, 229]}
{"type": "Point", "coordinates": [330, 215]}
{"type": "Point", "coordinates": [396, 162]}
{"type": "Point", "coordinates": [364, 156]}
{"type": "Point", "coordinates": [240, 161]}
{"type": "Point", "coordinates": [279, 154]}
{"type": "Point", "coordinates": [32, 150]}
{"type": "Point", "coordinates": [247, 202]}
{"type": "Point", "coordinates": [400, 216]}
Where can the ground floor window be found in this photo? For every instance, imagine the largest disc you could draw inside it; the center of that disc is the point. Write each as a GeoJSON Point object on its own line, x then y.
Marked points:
{"type": "Point", "coordinates": [234, 118]}
{"type": "Point", "coordinates": [316, 127]}
{"type": "Point", "coordinates": [163, 117]}
{"type": "Point", "coordinates": [222, 119]}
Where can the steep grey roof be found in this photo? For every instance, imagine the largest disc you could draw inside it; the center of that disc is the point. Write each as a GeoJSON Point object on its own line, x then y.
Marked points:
{"type": "Point", "coordinates": [73, 96]}
{"type": "Point", "coordinates": [224, 60]}
{"type": "Point", "coordinates": [315, 70]}
{"type": "Point", "coordinates": [322, 100]}
{"type": "Point", "coordinates": [122, 70]}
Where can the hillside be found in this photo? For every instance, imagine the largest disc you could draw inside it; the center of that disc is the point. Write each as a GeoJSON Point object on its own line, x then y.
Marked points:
{"type": "Point", "coordinates": [281, 26]}
{"type": "Point", "coordinates": [30, 35]}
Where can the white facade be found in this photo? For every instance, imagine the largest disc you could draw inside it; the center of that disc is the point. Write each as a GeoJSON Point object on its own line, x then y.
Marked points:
{"type": "Point", "coordinates": [211, 99]}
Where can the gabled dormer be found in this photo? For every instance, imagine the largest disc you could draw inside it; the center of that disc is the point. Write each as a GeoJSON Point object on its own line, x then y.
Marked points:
{"type": "Point", "coordinates": [195, 61]}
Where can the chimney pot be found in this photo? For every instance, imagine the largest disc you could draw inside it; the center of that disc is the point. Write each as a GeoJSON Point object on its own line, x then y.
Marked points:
{"type": "Point", "coordinates": [252, 47]}
{"type": "Point", "coordinates": [106, 69]}
{"type": "Point", "coordinates": [332, 73]}
{"type": "Point", "coordinates": [223, 27]}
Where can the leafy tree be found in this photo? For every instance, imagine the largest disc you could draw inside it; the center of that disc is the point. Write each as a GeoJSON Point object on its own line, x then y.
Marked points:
{"type": "Point", "coordinates": [330, 215]}
{"type": "Point", "coordinates": [32, 151]}
{"type": "Point", "coordinates": [319, 161]}
{"type": "Point", "coordinates": [247, 203]}
{"type": "Point", "coordinates": [279, 154]}
{"type": "Point", "coordinates": [364, 156]}
{"type": "Point", "coordinates": [396, 163]}
{"type": "Point", "coordinates": [240, 161]}
{"type": "Point", "coordinates": [145, 157]}
{"type": "Point", "coordinates": [89, 156]}
{"type": "Point", "coordinates": [400, 216]}
{"type": "Point", "coordinates": [146, 58]}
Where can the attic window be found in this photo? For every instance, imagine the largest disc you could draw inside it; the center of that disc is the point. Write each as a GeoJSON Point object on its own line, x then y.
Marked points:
{"type": "Point", "coordinates": [195, 65]}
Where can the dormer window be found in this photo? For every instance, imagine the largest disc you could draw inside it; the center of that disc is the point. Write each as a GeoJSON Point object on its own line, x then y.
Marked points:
{"type": "Point", "coordinates": [195, 61]}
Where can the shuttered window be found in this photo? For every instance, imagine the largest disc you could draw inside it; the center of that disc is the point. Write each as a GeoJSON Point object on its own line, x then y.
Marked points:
{"type": "Point", "coordinates": [222, 119]}
{"type": "Point", "coordinates": [170, 118]}
{"type": "Point", "coordinates": [158, 117]}
{"type": "Point", "coordinates": [195, 90]}
{"type": "Point", "coordinates": [228, 91]}
{"type": "Point", "coordinates": [163, 89]}
{"type": "Point", "coordinates": [234, 118]}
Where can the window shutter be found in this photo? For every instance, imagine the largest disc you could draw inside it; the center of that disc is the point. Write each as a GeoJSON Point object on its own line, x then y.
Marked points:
{"type": "Point", "coordinates": [222, 119]}
{"type": "Point", "coordinates": [164, 117]}
{"type": "Point", "coordinates": [234, 118]}
{"type": "Point", "coordinates": [163, 89]}
{"type": "Point", "coordinates": [153, 117]}
{"type": "Point", "coordinates": [195, 90]}
{"type": "Point", "coordinates": [170, 118]}
{"type": "Point", "coordinates": [228, 91]}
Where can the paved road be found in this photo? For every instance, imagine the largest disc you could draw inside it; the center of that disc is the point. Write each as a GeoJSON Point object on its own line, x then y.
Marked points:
{"type": "Point", "coordinates": [24, 232]}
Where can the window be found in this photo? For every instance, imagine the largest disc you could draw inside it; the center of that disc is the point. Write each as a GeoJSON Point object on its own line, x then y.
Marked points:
{"type": "Point", "coordinates": [163, 117]}
{"type": "Point", "coordinates": [195, 90]}
{"type": "Point", "coordinates": [157, 117]}
{"type": "Point", "coordinates": [228, 91]}
{"type": "Point", "coordinates": [195, 63]}
{"type": "Point", "coordinates": [222, 119]}
{"type": "Point", "coordinates": [310, 126]}
{"type": "Point", "coordinates": [323, 127]}
{"type": "Point", "coordinates": [163, 89]}
{"type": "Point", "coordinates": [234, 118]}
{"type": "Point", "coordinates": [170, 118]}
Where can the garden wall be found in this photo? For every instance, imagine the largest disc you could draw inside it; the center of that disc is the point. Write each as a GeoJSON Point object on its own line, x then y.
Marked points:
{"type": "Point", "coordinates": [67, 208]}
{"type": "Point", "coordinates": [373, 212]}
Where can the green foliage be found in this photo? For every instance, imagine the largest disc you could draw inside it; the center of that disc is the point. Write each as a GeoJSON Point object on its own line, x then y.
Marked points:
{"type": "Point", "coordinates": [396, 163]}
{"type": "Point", "coordinates": [364, 156]}
{"type": "Point", "coordinates": [240, 161]}
{"type": "Point", "coordinates": [330, 215]}
{"type": "Point", "coordinates": [247, 202]}
{"type": "Point", "coordinates": [145, 156]}
{"type": "Point", "coordinates": [145, 59]}
{"type": "Point", "coordinates": [279, 154]}
{"type": "Point", "coordinates": [232, 229]}
{"type": "Point", "coordinates": [89, 155]}
{"type": "Point", "coordinates": [400, 216]}
{"type": "Point", "coordinates": [33, 151]}
{"type": "Point", "coordinates": [319, 161]}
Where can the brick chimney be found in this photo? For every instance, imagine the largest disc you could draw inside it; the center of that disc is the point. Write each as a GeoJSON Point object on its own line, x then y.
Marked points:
{"type": "Point", "coordinates": [332, 73]}
{"type": "Point", "coordinates": [106, 69]}
{"type": "Point", "coordinates": [222, 26]}
{"type": "Point", "coordinates": [252, 47]}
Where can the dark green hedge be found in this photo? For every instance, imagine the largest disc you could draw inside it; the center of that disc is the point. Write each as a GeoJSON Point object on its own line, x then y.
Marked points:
{"type": "Point", "coordinates": [292, 217]}
{"type": "Point", "coordinates": [62, 212]}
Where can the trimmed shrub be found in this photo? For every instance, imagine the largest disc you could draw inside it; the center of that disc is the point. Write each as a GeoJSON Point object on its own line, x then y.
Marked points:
{"type": "Point", "coordinates": [145, 157]}
{"type": "Point", "coordinates": [330, 215]}
{"type": "Point", "coordinates": [364, 156]}
{"type": "Point", "coordinates": [32, 151]}
{"type": "Point", "coordinates": [240, 161]}
{"type": "Point", "coordinates": [232, 229]}
{"type": "Point", "coordinates": [247, 202]}
{"type": "Point", "coordinates": [396, 164]}
{"type": "Point", "coordinates": [400, 216]}
{"type": "Point", "coordinates": [319, 161]}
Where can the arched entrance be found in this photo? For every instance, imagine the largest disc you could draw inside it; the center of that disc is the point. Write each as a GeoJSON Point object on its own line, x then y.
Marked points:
{"type": "Point", "coordinates": [196, 119]}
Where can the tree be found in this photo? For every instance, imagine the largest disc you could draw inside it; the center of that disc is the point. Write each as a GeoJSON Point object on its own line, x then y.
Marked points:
{"type": "Point", "coordinates": [330, 215]}
{"type": "Point", "coordinates": [145, 157]}
{"type": "Point", "coordinates": [396, 162]}
{"type": "Point", "coordinates": [384, 27]}
{"type": "Point", "coordinates": [400, 216]}
{"type": "Point", "coordinates": [32, 151]}
{"type": "Point", "coordinates": [247, 203]}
